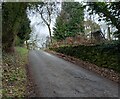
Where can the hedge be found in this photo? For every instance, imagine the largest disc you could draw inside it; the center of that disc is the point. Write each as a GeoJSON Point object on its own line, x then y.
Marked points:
{"type": "Point", "coordinates": [104, 55]}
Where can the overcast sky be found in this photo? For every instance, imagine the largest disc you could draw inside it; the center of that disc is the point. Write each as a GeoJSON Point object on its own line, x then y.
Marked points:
{"type": "Point", "coordinates": [39, 28]}
{"type": "Point", "coordinates": [42, 31]}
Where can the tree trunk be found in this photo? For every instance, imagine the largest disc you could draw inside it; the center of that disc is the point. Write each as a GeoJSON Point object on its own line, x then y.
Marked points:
{"type": "Point", "coordinates": [108, 34]}
{"type": "Point", "coordinates": [9, 47]}
{"type": "Point", "coordinates": [27, 45]}
{"type": "Point", "coordinates": [50, 34]}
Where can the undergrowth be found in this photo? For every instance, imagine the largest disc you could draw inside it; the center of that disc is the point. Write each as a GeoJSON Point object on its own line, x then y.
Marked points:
{"type": "Point", "coordinates": [14, 75]}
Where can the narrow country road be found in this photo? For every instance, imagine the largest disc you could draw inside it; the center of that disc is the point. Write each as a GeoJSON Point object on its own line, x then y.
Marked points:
{"type": "Point", "coordinates": [55, 77]}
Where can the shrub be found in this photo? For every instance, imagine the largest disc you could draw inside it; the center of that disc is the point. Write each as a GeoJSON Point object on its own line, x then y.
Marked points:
{"type": "Point", "coordinates": [104, 55]}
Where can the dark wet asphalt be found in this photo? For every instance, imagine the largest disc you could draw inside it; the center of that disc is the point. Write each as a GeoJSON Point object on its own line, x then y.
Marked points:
{"type": "Point", "coordinates": [55, 77]}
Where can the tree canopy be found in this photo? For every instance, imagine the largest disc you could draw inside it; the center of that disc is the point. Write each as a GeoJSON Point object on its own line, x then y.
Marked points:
{"type": "Point", "coordinates": [110, 12]}
{"type": "Point", "coordinates": [47, 12]}
{"type": "Point", "coordinates": [70, 21]}
{"type": "Point", "coordinates": [14, 23]}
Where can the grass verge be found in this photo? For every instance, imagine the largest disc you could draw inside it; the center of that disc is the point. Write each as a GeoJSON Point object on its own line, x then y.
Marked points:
{"type": "Point", "coordinates": [14, 78]}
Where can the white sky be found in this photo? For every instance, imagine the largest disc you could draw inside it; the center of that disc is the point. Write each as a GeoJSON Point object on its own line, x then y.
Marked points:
{"type": "Point", "coordinates": [42, 31]}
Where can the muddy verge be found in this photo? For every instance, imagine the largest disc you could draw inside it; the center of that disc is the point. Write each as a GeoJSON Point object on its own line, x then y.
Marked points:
{"type": "Point", "coordinates": [30, 88]}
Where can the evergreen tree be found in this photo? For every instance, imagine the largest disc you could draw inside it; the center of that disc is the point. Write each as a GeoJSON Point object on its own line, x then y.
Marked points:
{"type": "Point", "coordinates": [70, 21]}
{"type": "Point", "coordinates": [13, 19]}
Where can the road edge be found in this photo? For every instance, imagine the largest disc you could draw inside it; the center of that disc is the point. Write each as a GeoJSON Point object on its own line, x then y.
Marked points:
{"type": "Point", "coordinates": [107, 73]}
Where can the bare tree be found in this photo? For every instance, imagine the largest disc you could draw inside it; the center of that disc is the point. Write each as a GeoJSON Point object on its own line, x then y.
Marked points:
{"type": "Point", "coordinates": [48, 11]}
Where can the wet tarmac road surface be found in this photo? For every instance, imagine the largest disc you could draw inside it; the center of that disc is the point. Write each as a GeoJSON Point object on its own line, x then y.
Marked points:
{"type": "Point", "coordinates": [55, 77]}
